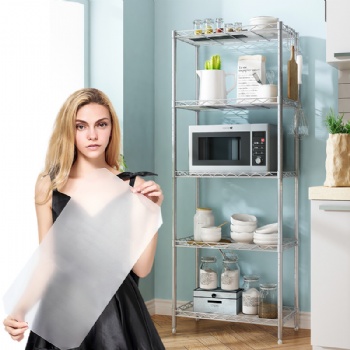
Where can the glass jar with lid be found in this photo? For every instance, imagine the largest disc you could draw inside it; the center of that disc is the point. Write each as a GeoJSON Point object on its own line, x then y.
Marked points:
{"type": "Point", "coordinates": [219, 25]}
{"type": "Point", "coordinates": [204, 217]}
{"type": "Point", "coordinates": [229, 28]}
{"type": "Point", "coordinates": [208, 26]}
{"type": "Point", "coordinates": [230, 272]}
{"type": "Point", "coordinates": [197, 26]}
{"type": "Point", "coordinates": [268, 300]}
{"type": "Point", "coordinates": [250, 295]}
{"type": "Point", "coordinates": [208, 276]}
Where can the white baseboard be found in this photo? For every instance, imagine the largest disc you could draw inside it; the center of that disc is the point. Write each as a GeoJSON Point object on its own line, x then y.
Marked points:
{"type": "Point", "coordinates": [163, 307]}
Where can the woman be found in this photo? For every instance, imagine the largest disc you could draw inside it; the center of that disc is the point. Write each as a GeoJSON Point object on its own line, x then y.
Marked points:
{"type": "Point", "coordinates": [86, 136]}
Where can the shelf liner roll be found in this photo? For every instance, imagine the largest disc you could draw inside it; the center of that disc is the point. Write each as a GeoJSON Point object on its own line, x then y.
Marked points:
{"type": "Point", "coordinates": [83, 259]}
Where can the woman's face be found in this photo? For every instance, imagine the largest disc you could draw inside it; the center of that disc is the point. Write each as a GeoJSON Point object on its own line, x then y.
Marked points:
{"type": "Point", "coordinates": [93, 129]}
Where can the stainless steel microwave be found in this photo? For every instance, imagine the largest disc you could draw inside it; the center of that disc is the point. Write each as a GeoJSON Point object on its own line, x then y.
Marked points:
{"type": "Point", "coordinates": [233, 148]}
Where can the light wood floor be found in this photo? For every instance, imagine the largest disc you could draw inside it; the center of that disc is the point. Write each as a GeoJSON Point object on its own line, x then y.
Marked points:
{"type": "Point", "coordinates": [220, 335]}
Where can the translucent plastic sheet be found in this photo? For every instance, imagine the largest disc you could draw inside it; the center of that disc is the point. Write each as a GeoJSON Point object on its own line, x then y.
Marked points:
{"type": "Point", "coordinates": [83, 259]}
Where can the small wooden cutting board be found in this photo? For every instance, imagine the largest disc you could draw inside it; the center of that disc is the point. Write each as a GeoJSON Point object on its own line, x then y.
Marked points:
{"type": "Point", "coordinates": [292, 73]}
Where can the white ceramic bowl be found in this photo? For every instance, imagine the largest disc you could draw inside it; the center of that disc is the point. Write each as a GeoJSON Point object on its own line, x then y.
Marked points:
{"type": "Point", "coordinates": [211, 234]}
{"type": "Point", "coordinates": [243, 228]}
{"type": "Point", "coordinates": [242, 237]}
{"type": "Point", "coordinates": [270, 228]}
{"type": "Point", "coordinates": [262, 20]}
{"type": "Point", "coordinates": [265, 236]}
{"type": "Point", "coordinates": [244, 220]}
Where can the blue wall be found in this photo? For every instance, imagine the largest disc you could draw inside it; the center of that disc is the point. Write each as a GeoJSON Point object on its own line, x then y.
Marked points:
{"type": "Point", "coordinates": [319, 93]}
{"type": "Point", "coordinates": [147, 129]}
{"type": "Point", "coordinates": [138, 121]}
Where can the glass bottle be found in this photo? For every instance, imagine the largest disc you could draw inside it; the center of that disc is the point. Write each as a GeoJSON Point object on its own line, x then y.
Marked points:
{"type": "Point", "coordinates": [203, 217]}
{"type": "Point", "coordinates": [208, 277]}
{"type": "Point", "coordinates": [208, 26]}
{"type": "Point", "coordinates": [268, 300]}
{"type": "Point", "coordinates": [230, 273]}
{"type": "Point", "coordinates": [197, 26]}
{"type": "Point", "coordinates": [219, 25]}
{"type": "Point", "coordinates": [250, 295]}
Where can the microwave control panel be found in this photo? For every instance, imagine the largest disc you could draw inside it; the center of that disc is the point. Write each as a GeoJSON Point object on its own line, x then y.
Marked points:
{"type": "Point", "coordinates": [259, 148]}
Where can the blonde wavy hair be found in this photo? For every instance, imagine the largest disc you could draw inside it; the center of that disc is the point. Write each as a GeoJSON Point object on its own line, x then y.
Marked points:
{"type": "Point", "coordinates": [61, 153]}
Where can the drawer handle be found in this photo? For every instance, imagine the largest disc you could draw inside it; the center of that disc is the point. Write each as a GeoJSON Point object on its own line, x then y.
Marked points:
{"type": "Point", "coordinates": [335, 207]}
{"type": "Point", "coordinates": [215, 301]}
{"type": "Point", "coordinates": [342, 54]}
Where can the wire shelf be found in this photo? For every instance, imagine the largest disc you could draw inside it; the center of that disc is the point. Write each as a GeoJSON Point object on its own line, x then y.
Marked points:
{"type": "Point", "coordinates": [228, 243]}
{"type": "Point", "coordinates": [249, 35]}
{"type": "Point", "coordinates": [233, 103]}
{"type": "Point", "coordinates": [241, 174]}
{"type": "Point", "coordinates": [186, 310]}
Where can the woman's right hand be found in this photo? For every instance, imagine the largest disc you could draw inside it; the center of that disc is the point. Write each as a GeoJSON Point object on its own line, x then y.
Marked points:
{"type": "Point", "coordinates": [15, 328]}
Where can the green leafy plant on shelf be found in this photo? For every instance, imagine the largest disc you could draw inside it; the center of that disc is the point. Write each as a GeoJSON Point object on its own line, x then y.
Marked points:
{"type": "Point", "coordinates": [337, 151]}
{"type": "Point", "coordinates": [213, 63]}
{"type": "Point", "coordinates": [335, 123]}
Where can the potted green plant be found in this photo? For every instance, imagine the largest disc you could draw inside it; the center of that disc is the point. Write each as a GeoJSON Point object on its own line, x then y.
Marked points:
{"type": "Point", "coordinates": [212, 86]}
{"type": "Point", "coordinates": [337, 151]}
{"type": "Point", "coordinates": [213, 63]}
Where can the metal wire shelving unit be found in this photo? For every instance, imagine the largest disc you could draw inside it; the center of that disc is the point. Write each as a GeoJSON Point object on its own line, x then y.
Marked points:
{"type": "Point", "coordinates": [272, 38]}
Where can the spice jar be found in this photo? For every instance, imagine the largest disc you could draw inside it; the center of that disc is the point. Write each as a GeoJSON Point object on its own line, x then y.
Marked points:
{"type": "Point", "coordinates": [238, 26]}
{"type": "Point", "coordinates": [208, 26]}
{"type": "Point", "coordinates": [230, 273]}
{"type": "Point", "coordinates": [197, 26]}
{"type": "Point", "coordinates": [268, 300]}
{"type": "Point", "coordinates": [219, 25]}
{"type": "Point", "coordinates": [204, 217]}
{"type": "Point", "coordinates": [250, 295]}
{"type": "Point", "coordinates": [208, 277]}
{"type": "Point", "coordinates": [229, 28]}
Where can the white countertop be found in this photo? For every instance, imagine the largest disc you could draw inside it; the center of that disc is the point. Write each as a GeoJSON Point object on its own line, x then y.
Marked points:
{"type": "Point", "coordinates": [329, 193]}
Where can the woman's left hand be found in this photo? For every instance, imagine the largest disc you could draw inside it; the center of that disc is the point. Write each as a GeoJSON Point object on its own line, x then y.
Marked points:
{"type": "Point", "coordinates": [151, 190]}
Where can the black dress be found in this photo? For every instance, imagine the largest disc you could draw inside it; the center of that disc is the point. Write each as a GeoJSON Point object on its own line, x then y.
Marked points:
{"type": "Point", "coordinates": [125, 323]}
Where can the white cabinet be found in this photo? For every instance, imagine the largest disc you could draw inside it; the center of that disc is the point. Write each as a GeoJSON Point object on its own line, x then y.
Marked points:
{"type": "Point", "coordinates": [330, 274]}
{"type": "Point", "coordinates": [338, 33]}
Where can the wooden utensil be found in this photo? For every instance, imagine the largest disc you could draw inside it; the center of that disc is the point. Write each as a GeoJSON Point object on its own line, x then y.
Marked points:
{"type": "Point", "coordinates": [292, 73]}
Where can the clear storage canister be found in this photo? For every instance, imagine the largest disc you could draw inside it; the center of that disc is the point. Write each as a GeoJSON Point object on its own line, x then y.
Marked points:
{"type": "Point", "coordinates": [230, 273]}
{"type": "Point", "coordinates": [203, 217]}
{"type": "Point", "coordinates": [208, 276]}
{"type": "Point", "coordinates": [197, 26]}
{"type": "Point", "coordinates": [250, 295]}
{"type": "Point", "coordinates": [268, 300]}
{"type": "Point", "coordinates": [208, 26]}
{"type": "Point", "coordinates": [219, 25]}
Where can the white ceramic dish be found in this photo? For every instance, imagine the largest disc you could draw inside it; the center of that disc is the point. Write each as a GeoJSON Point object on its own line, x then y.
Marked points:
{"type": "Point", "coordinates": [270, 228]}
{"type": "Point", "coordinates": [243, 219]}
{"type": "Point", "coordinates": [265, 237]}
{"type": "Point", "coordinates": [262, 20]}
{"type": "Point", "coordinates": [211, 234]}
{"type": "Point", "coordinates": [242, 237]}
{"type": "Point", "coordinates": [243, 228]}
{"type": "Point", "coordinates": [258, 242]}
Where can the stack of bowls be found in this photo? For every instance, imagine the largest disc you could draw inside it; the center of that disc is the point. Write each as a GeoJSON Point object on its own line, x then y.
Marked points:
{"type": "Point", "coordinates": [262, 22]}
{"type": "Point", "coordinates": [243, 227]}
{"type": "Point", "coordinates": [266, 235]}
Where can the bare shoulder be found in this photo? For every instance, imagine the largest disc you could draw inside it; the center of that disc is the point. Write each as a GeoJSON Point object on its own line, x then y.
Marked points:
{"type": "Point", "coordinates": [42, 189]}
